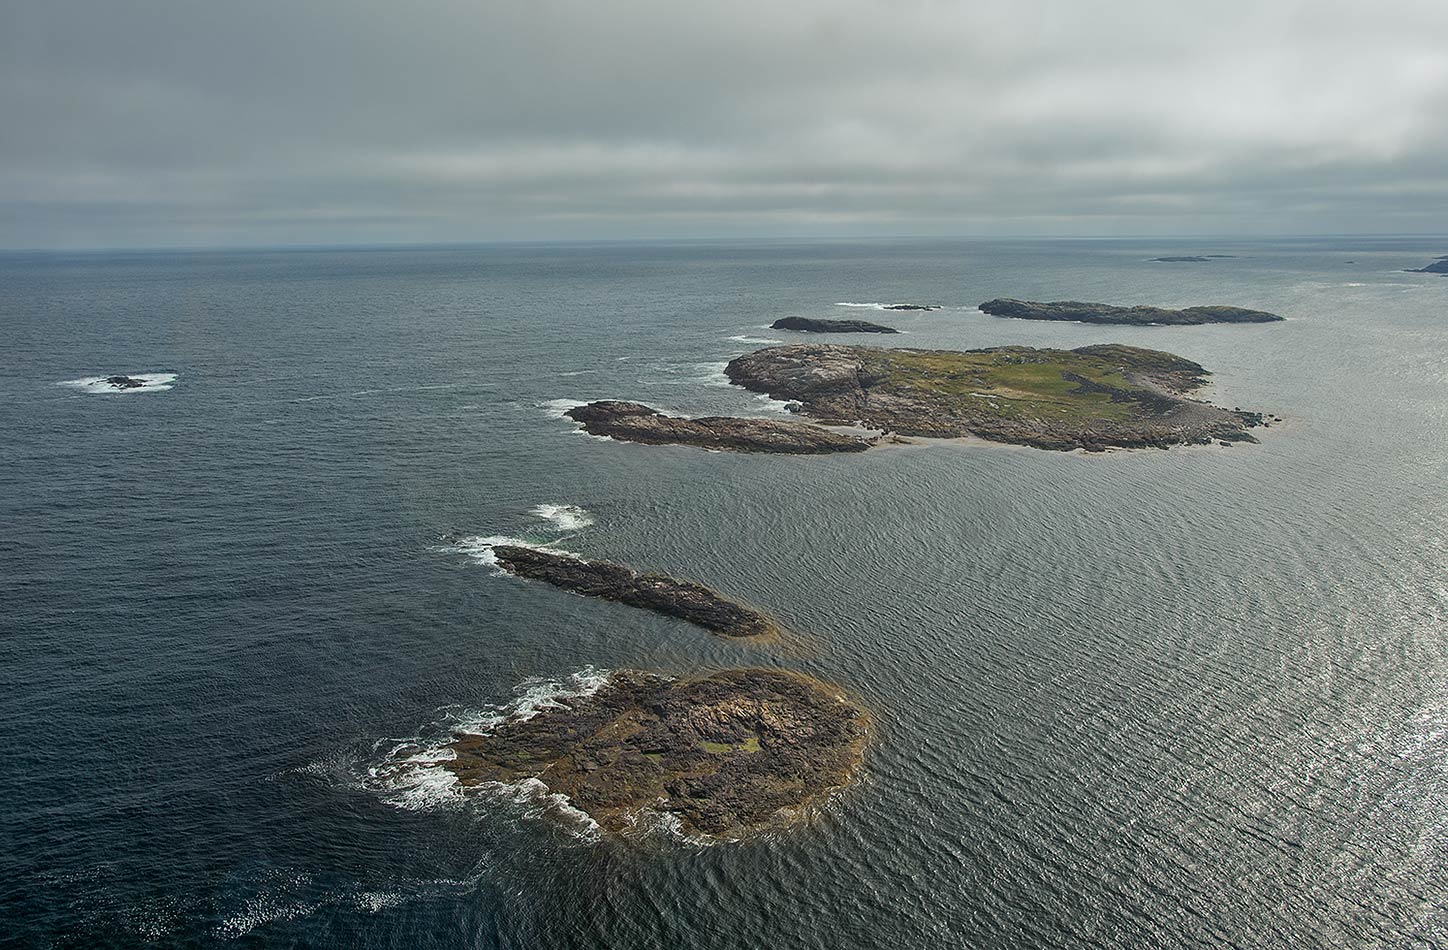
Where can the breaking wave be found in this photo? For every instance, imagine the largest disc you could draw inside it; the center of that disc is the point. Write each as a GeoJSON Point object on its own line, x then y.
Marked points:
{"type": "Point", "coordinates": [564, 517]}
{"type": "Point", "coordinates": [410, 773]}
{"type": "Point", "coordinates": [100, 385]}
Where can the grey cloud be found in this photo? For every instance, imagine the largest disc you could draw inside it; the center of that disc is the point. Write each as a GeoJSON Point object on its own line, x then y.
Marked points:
{"type": "Point", "coordinates": [168, 122]}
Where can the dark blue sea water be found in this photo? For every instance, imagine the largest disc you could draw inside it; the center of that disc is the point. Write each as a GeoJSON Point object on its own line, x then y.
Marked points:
{"type": "Point", "coordinates": [1150, 699]}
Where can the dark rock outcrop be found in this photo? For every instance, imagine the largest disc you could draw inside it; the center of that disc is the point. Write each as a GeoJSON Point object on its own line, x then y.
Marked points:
{"type": "Point", "coordinates": [1095, 397]}
{"type": "Point", "coordinates": [657, 592]}
{"type": "Point", "coordinates": [912, 306]}
{"type": "Point", "coordinates": [1106, 313]}
{"type": "Point", "coordinates": [125, 382]}
{"type": "Point", "coordinates": [724, 754]}
{"type": "Point", "coordinates": [1439, 266]}
{"type": "Point", "coordinates": [635, 422]}
{"type": "Point", "coordinates": [809, 325]}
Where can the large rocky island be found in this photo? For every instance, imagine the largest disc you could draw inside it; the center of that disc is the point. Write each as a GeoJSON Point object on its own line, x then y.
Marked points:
{"type": "Point", "coordinates": [1093, 398]}
{"type": "Point", "coordinates": [657, 592]}
{"type": "Point", "coordinates": [810, 325]}
{"type": "Point", "coordinates": [635, 422]}
{"type": "Point", "coordinates": [1106, 313]}
{"type": "Point", "coordinates": [723, 754]}
{"type": "Point", "coordinates": [1439, 266]}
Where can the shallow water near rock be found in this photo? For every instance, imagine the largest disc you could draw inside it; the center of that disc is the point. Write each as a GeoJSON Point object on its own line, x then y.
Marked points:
{"type": "Point", "coordinates": [1150, 699]}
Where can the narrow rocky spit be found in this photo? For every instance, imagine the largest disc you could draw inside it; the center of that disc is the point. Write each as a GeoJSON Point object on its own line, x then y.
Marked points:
{"type": "Point", "coordinates": [659, 593]}
{"type": "Point", "coordinates": [635, 422]}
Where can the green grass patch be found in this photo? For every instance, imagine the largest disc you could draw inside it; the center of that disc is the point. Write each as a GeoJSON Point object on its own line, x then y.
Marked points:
{"type": "Point", "coordinates": [720, 748]}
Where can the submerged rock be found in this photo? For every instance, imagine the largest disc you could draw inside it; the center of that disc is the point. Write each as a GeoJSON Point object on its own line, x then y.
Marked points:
{"type": "Point", "coordinates": [809, 325]}
{"type": "Point", "coordinates": [657, 592]}
{"type": "Point", "coordinates": [1107, 313]}
{"type": "Point", "coordinates": [912, 306]}
{"type": "Point", "coordinates": [1094, 397]}
{"type": "Point", "coordinates": [723, 754]}
{"type": "Point", "coordinates": [635, 422]}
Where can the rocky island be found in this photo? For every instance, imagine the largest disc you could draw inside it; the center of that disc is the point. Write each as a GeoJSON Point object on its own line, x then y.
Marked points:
{"type": "Point", "coordinates": [809, 325]}
{"type": "Point", "coordinates": [723, 754]}
{"type": "Point", "coordinates": [635, 422]}
{"type": "Point", "coordinates": [1093, 398]}
{"type": "Point", "coordinates": [912, 306]}
{"type": "Point", "coordinates": [1106, 313]}
{"type": "Point", "coordinates": [126, 382]}
{"type": "Point", "coordinates": [1439, 266]}
{"type": "Point", "coordinates": [657, 592]}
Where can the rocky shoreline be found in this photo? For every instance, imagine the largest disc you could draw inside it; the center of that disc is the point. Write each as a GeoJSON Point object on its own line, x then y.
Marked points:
{"type": "Point", "coordinates": [1093, 398]}
{"type": "Point", "coordinates": [810, 325]}
{"type": "Point", "coordinates": [656, 592]}
{"type": "Point", "coordinates": [722, 754]}
{"type": "Point", "coordinates": [1080, 312]}
{"type": "Point", "coordinates": [635, 422]}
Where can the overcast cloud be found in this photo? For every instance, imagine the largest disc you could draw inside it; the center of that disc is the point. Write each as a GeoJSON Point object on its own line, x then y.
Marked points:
{"type": "Point", "coordinates": [186, 122]}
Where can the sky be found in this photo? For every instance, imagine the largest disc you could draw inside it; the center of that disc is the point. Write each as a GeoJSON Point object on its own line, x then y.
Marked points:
{"type": "Point", "coordinates": [256, 122]}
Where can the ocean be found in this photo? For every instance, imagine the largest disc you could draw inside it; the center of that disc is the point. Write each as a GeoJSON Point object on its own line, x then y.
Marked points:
{"type": "Point", "coordinates": [1195, 697]}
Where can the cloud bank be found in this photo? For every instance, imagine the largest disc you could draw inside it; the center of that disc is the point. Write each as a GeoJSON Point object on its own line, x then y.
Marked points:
{"type": "Point", "coordinates": [176, 122]}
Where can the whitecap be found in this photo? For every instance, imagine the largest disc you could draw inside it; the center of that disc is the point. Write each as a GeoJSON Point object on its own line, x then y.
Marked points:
{"type": "Point", "coordinates": [741, 338]}
{"type": "Point", "coordinates": [480, 549]}
{"type": "Point", "coordinates": [865, 306]}
{"type": "Point", "coordinates": [98, 385]}
{"type": "Point", "coordinates": [564, 517]}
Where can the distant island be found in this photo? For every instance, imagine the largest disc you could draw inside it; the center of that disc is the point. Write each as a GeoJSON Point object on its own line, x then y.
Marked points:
{"type": "Point", "coordinates": [1093, 398]}
{"type": "Point", "coordinates": [1439, 266]}
{"type": "Point", "coordinates": [635, 422]}
{"type": "Point", "coordinates": [809, 325]}
{"type": "Point", "coordinates": [1080, 312]}
{"type": "Point", "coordinates": [723, 755]}
{"type": "Point", "coordinates": [1189, 259]}
{"type": "Point", "coordinates": [657, 592]}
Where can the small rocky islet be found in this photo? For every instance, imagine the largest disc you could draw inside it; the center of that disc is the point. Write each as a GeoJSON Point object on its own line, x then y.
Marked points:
{"type": "Point", "coordinates": [811, 325]}
{"type": "Point", "coordinates": [126, 382]}
{"type": "Point", "coordinates": [659, 593]}
{"type": "Point", "coordinates": [1081, 312]}
{"type": "Point", "coordinates": [1093, 397]}
{"type": "Point", "coordinates": [723, 754]}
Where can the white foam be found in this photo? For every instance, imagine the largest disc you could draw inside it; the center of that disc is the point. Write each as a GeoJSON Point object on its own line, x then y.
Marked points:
{"type": "Point", "coordinates": [97, 385]}
{"type": "Point", "coordinates": [410, 774]}
{"type": "Point", "coordinates": [712, 374]}
{"type": "Point", "coordinates": [480, 548]}
{"type": "Point", "coordinates": [557, 407]}
{"type": "Point", "coordinates": [863, 306]}
{"type": "Point", "coordinates": [741, 338]}
{"type": "Point", "coordinates": [770, 404]}
{"type": "Point", "coordinates": [278, 903]}
{"type": "Point", "coordinates": [564, 517]}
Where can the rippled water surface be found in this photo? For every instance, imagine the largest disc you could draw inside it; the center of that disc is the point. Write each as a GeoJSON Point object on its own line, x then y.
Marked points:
{"type": "Point", "coordinates": [1151, 699]}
